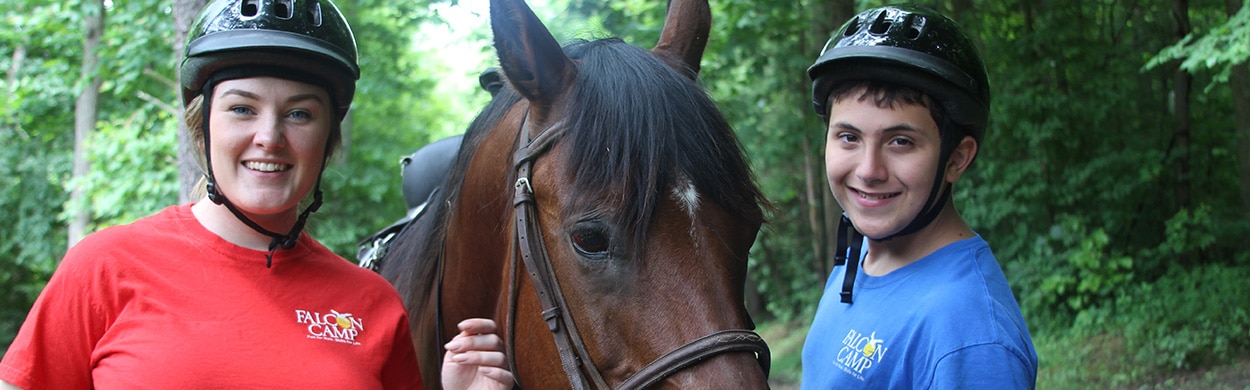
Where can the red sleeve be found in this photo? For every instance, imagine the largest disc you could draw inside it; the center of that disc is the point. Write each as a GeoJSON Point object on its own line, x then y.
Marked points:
{"type": "Point", "coordinates": [401, 370]}
{"type": "Point", "coordinates": [53, 349]}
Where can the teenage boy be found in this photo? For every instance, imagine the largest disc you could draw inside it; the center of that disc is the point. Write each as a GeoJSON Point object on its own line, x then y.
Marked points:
{"type": "Point", "coordinates": [916, 299]}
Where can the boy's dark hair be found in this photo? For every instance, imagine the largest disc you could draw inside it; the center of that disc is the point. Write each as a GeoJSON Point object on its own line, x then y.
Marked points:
{"type": "Point", "coordinates": [885, 94]}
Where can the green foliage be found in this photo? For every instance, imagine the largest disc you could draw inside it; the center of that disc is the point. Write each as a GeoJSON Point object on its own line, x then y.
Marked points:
{"type": "Point", "coordinates": [1050, 149]}
{"type": "Point", "coordinates": [785, 344]}
{"type": "Point", "coordinates": [132, 152]}
{"type": "Point", "coordinates": [1189, 318]}
{"type": "Point", "coordinates": [1077, 176]}
{"type": "Point", "coordinates": [397, 110]}
{"type": "Point", "coordinates": [636, 21]}
{"type": "Point", "coordinates": [133, 167]}
{"type": "Point", "coordinates": [39, 53]}
{"type": "Point", "coordinates": [752, 70]}
{"type": "Point", "coordinates": [791, 288]}
{"type": "Point", "coordinates": [30, 200]}
{"type": "Point", "coordinates": [1219, 49]}
{"type": "Point", "coordinates": [1188, 232]}
{"type": "Point", "coordinates": [1080, 359]}
{"type": "Point", "coordinates": [1068, 271]}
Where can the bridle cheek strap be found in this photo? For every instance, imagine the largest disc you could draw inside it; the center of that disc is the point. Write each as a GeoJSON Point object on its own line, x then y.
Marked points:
{"type": "Point", "coordinates": [573, 355]}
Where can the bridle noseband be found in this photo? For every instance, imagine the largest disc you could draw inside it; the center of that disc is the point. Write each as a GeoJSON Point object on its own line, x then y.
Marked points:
{"type": "Point", "coordinates": [575, 359]}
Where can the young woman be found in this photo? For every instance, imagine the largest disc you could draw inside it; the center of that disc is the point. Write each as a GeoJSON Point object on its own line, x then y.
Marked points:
{"type": "Point", "coordinates": [228, 292]}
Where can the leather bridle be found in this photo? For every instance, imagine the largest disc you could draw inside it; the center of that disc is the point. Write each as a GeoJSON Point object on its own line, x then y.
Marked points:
{"type": "Point", "coordinates": [574, 357]}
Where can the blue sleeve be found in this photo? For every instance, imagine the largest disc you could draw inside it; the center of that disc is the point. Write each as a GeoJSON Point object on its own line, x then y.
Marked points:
{"type": "Point", "coordinates": [984, 366]}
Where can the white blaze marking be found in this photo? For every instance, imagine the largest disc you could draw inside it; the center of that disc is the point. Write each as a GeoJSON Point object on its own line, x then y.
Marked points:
{"type": "Point", "coordinates": [686, 196]}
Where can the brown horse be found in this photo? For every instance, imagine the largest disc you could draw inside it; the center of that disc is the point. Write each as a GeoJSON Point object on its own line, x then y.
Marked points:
{"type": "Point", "coordinates": [607, 175]}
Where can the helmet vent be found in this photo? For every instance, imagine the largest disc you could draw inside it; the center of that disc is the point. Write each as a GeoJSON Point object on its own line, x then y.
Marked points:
{"type": "Point", "coordinates": [249, 8]}
{"type": "Point", "coordinates": [314, 13]}
{"type": "Point", "coordinates": [851, 27]}
{"type": "Point", "coordinates": [915, 27]}
{"type": "Point", "coordinates": [880, 25]}
{"type": "Point", "coordinates": [282, 8]}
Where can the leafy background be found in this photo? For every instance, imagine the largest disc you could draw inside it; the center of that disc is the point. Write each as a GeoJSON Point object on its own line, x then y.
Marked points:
{"type": "Point", "coordinates": [1116, 199]}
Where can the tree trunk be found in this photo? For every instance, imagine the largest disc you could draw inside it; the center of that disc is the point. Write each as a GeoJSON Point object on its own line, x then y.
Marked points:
{"type": "Point", "coordinates": [1239, 81]}
{"type": "Point", "coordinates": [833, 216]}
{"type": "Point", "coordinates": [342, 153]}
{"type": "Point", "coordinates": [19, 55]}
{"type": "Point", "coordinates": [15, 67]}
{"type": "Point", "coordinates": [824, 213]}
{"type": "Point", "coordinates": [347, 127]}
{"type": "Point", "coordinates": [1181, 81]}
{"type": "Point", "coordinates": [810, 188]}
{"type": "Point", "coordinates": [756, 306]}
{"type": "Point", "coordinates": [86, 111]}
{"type": "Point", "coordinates": [188, 167]}
{"type": "Point", "coordinates": [841, 11]}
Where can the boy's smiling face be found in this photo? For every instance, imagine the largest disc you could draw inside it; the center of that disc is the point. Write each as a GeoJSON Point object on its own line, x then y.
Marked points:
{"type": "Point", "coordinates": [880, 162]}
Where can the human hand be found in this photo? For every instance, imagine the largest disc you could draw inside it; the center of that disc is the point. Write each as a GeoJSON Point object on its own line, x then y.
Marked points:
{"type": "Point", "coordinates": [475, 358]}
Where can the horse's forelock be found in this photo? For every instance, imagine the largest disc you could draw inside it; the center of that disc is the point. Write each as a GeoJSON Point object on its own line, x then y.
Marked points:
{"type": "Point", "coordinates": [636, 124]}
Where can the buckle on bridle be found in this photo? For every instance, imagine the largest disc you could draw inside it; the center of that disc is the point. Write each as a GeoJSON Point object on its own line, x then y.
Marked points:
{"type": "Point", "coordinates": [524, 184]}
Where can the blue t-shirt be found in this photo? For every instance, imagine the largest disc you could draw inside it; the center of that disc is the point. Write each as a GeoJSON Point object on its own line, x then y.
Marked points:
{"type": "Point", "coordinates": [945, 321]}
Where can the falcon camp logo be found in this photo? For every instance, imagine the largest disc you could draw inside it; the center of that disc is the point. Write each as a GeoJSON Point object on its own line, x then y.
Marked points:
{"type": "Point", "coordinates": [859, 353]}
{"type": "Point", "coordinates": [332, 326]}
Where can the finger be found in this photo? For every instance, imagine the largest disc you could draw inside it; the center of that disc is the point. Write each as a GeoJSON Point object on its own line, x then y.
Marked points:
{"type": "Point", "coordinates": [477, 326]}
{"type": "Point", "coordinates": [478, 342]}
{"type": "Point", "coordinates": [497, 374]}
{"type": "Point", "coordinates": [480, 358]}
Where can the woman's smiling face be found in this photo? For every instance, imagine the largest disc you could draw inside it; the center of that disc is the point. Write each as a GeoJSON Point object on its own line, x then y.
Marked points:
{"type": "Point", "coordinates": [268, 140]}
{"type": "Point", "coordinates": [881, 162]}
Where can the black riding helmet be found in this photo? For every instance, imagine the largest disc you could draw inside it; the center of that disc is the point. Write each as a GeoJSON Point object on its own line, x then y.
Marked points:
{"type": "Point", "coordinates": [307, 36]}
{"type": "Point", "coordinates": [912, 46]}
{"type": "Point", "coordinates": [302, 40]}
{"type": "Point", "coordinates": [915, 47]}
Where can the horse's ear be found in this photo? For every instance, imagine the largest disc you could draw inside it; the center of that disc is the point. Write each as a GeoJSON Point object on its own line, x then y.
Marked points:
{"type": "Point", "coordinates": [685, 35]}
{"type": "Point", "coordinates": [530, 56]}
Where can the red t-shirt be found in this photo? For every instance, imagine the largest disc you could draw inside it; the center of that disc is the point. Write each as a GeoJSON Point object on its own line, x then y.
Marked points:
{"type": "Point", "coordinates": [163, 303]}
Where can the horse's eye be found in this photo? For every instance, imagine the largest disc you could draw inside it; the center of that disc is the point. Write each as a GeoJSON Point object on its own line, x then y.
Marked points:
{"type": "Point", "coordinates": [590, 242]}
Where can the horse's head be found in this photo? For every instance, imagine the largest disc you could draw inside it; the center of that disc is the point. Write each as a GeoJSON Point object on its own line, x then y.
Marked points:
{"type": "Point", "coordinates": [601, 201]}
{"type": "Point", "coordinates": [641, 200]}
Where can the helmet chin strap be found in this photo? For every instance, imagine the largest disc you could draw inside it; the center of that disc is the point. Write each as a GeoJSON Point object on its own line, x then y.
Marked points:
{"type": "Point", "coordinates": [850, 239]}
{"type": "Point", "coordinates": [278, 241]}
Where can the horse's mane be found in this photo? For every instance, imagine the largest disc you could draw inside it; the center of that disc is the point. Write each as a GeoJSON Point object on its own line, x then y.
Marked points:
{"type": "Point", "coordinates": [637, 125]}
{"type": "Point", "coordinates": [409, 264]}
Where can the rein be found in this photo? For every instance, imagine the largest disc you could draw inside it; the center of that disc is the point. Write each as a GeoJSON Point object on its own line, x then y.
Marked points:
{"type": "Point", "coordinates": [574, 358]}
